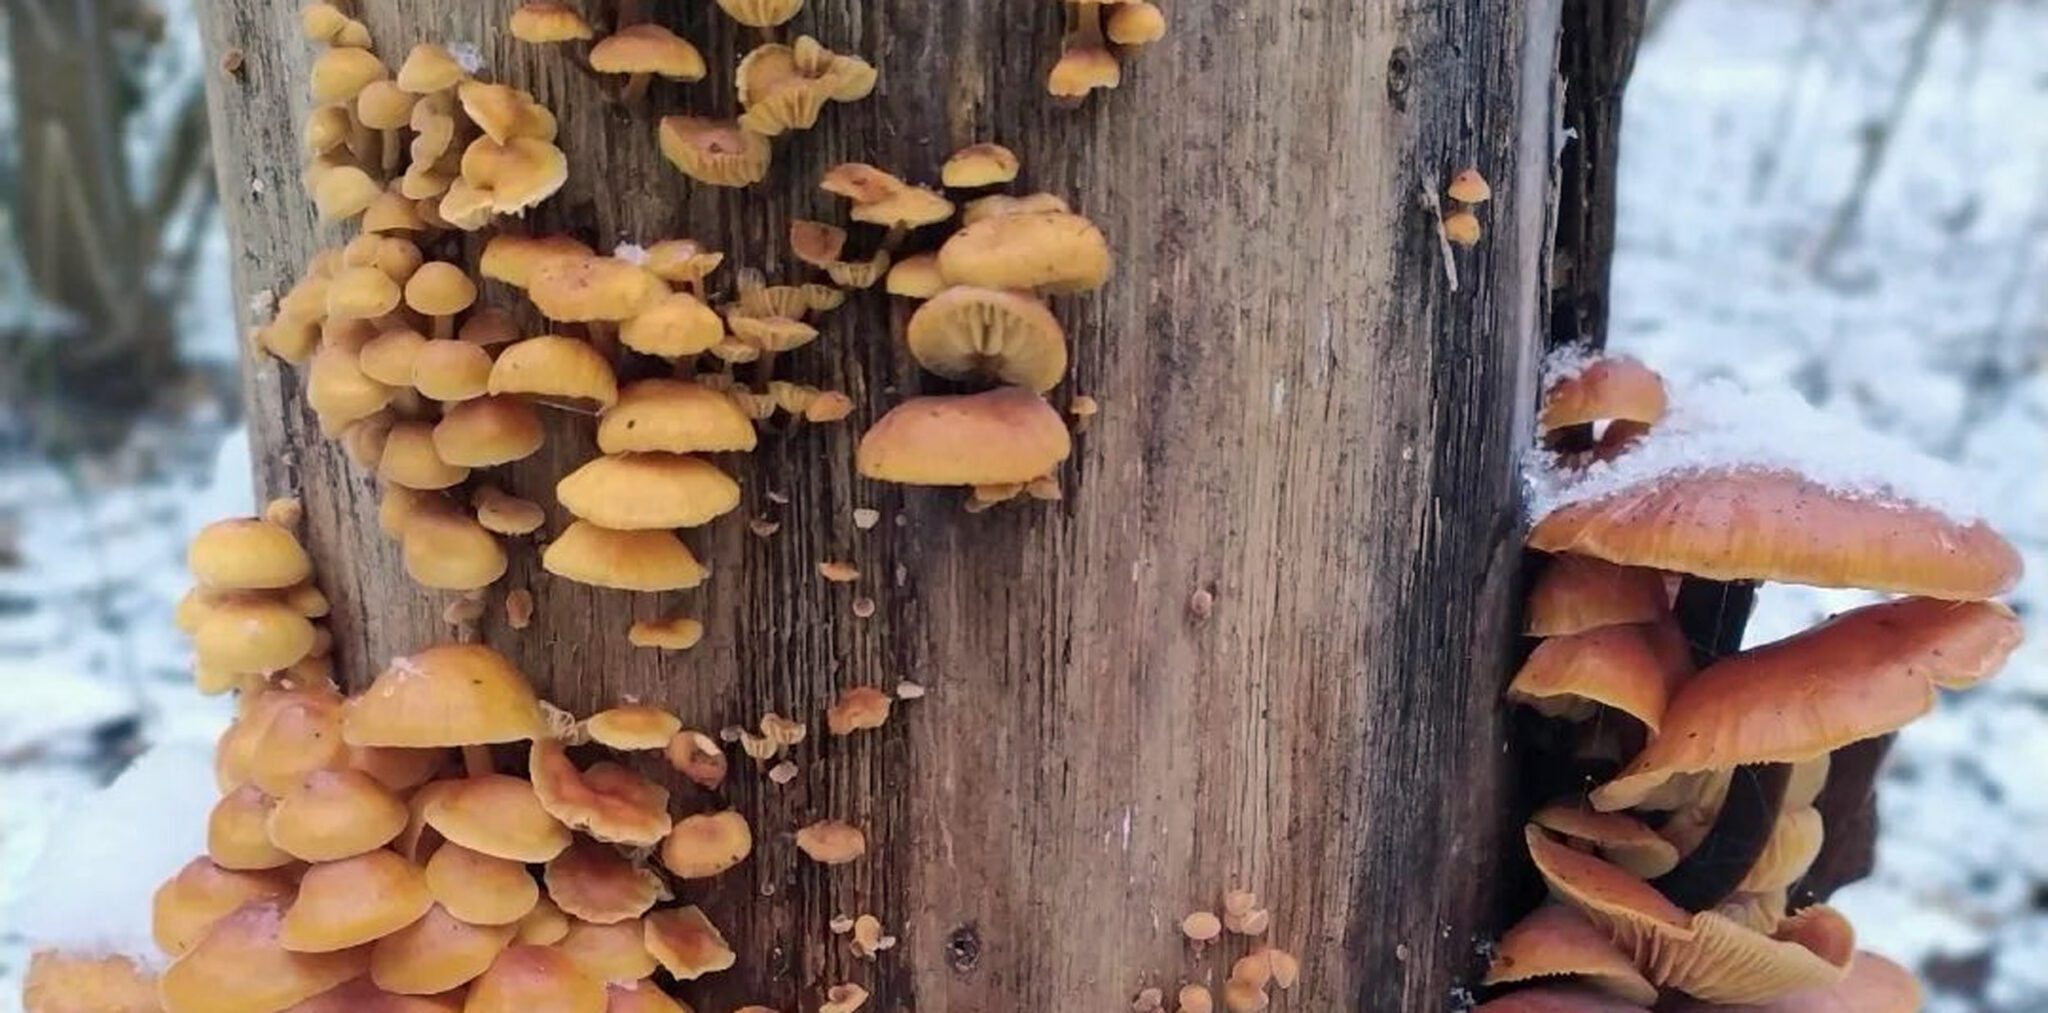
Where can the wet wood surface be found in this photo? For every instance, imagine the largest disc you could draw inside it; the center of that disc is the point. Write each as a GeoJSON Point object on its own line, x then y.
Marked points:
{"type": "Point", "coordinates": [1261, 641]}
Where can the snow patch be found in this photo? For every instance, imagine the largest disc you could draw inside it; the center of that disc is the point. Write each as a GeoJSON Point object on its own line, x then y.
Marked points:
{"type": "Point", "coordinates": [467, 56]}
{"type": "Point", "coordinates": [90, 891]}
{"type": "Point", "coordinates": [1566, 362]}
{"type": "Point", "coordinates": [1719, 425]}
{"type": "Point", "coordinates": [631, 253]}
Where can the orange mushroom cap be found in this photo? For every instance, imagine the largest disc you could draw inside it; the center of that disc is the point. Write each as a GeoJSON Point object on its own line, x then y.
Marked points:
{"type": "Point", "coordinates": [1633, 669]}
{"type": "Point", "coordinates": [540, 22]}
{"type": "Point", "coordinates": [979, 165]}
{"type": "Point", "coordinates": [529, 979]}
{"type": "Point", "coordinates": [831, 842]}
{"type": "Point", "coordinates": [499, 815]}
{"type": "Point", "coordinates": [1873, 985]}
{"type": "Point", "coordinates": [60, 982]}
{"type": "Point", "coordinates": [446, 695]}
{"type": "Point", "coordinates": [187, 905]}
{"type": "Point", "coordinates": [236, 832]}
{"type": "Point", "coordinates": [363, 996]}
{"type": "Point", "coordinates": [1614, 388]}
{"type": "Point", "coordinates": [608, 801]}
{"type": "Point", "coordinates": [552, 366]}
{"type": "Point", "coordinates": [450, 551]}
{"type": "Point", "coordinates": [641, 997]}
{"type": "Point", "coordinates": [1859, 675]}
{"type": "Point", "coordinates": [487, 431]}
{"type": "Point", "coordinates": [354, 901]}
{"type": "Point", "coordinates": [1049, 251]}
{"type": "Point", "coordinates": [1754, 524]}
{"type": "Point", "coordinates": [1579, 593]}
{"type": "Point", "coordinates": [647, 48]}
{"type": "Point", "coordinates": [686, 943]}
{"type": "Point", "coordinates": [242, 967]}
{"type": "Point", "coordinates": [480, 889]}
{"type": "Point", "coordinates": [1000, 436]}
{"type": "Point", "coordinates": [335, 814]}
{"type": "Point", "coordinates": [245, 553]}
{"type": "Point", "coordinates": [716, 152]}
{"type": "Point", "coordinates": [676, 325]}
{"type": "Point", "coordinates": [1004, 335]}
{"type": "Point", "coordinates": [632, 727]}
{"type": "Point", "coordinates": [706, 844]}
{"type": "Point", "coordinates": [612, 952]}
{"type": "Point", "coordinates": [596, 883]}
{"type": "Point", "coordinates": [1621, 839]}
{"type": "Point", "coordinates": [1556, 941]}
{"type": "Point", "coordinates": [586, 289]}
{"type": "Point", "coordinates": [631, 492]}
{"type": "Point", "coordinates": [437, 953]}
{"type": "Point", "coordinates": [512, 258]}
{"type": "Point", "coordinates": [649, 560]}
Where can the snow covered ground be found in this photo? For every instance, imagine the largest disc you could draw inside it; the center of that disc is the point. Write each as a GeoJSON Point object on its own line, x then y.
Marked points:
{"type": "Point", "coordinates": [1923, 315]}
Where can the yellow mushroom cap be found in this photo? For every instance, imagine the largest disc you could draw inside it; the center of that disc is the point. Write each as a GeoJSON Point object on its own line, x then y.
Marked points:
{"type": "Point", "coordinates": [696, 756]}
{"type": "Point", "coordinates": [362, 292]}
{"type": "Point", "coordinates": [344, 191]}
{"type": "Point", "coordinates": [388, 357]}
{"type": "Point", "coordinates": [1008, 336]}
{"type": "Point", "coordinates": [583, 289]}
{"type": "Point", "coordinates": [540, 23]}
{"type": "Point", "coordinates": [598, 884]}
{"type": "Point", "coordinates": [400, 770]}
{"type": "Point", "coordinates": [252, 636]}
{"type": "Point", "coordinates": [353, 901]}
{"type": "Point", "coordinates": [390, 211]}
{"type": "Point", "coordinates": [682, 261]}
{"type": "Point", "coordinates": [487, 431]}
{"type": "Point", "coordinates": [1001, 436]}
{"type": "Point", "coordinates": [339, 73]}
{"type": "Point", "coordinates": [512, 258]}
{"type": "Point", "coordinates": [364, 996]}
{"type": "Point", "coordinates": [715, 152]}
{"type": "Point", "coordinates": [446, 695]}
{"type": "Point", "coordinates": [608, 802]}
{"type": "Point", "coordinates": [610, 952]}
{"type": "Point", "coordinates": [916, 277]}
{"type": "Point", "coordinates": [545, 925]}
{"type": "Point", "coordinates": [1633, 669]}
{"type": "Point", "coordinates": [760, 13]}
{"type": "Point", "coordinates": [1082, 69]}
{"type": "Point", "coordinates": [881, 199]}
{"type": "Point", "coordinates": [1469, 187]}
{"type": "Point", "coordinates": [410, 460]}
{"type": "Point", "coordinates": [339, 393]}
{"type": "Point", "coordinates": [630, 492]}
{"type": "Point", "coordinates": [237, 835]}
{"type": "Point", "coordinates": [706, 844]}
{"type": "Point", "coordinates": [383, 105]}
{"type": "Point", "coordinates": [502, 112]}
{"type": "Point", "coordinates": [1135, 24]}
{"type": "Point", "coordinates": [530, 979]}
{"type": "Point", "coordinates": [554, 366]}
{"type": "Point", "coordinates": [859, 708]}
{"type": "Point", "coordinates": [515, 174]}
{"type": "Point", "coordinates": [429, 68]}
{"type": "Point", "coordinates": [437, 953]}
{"type": "Point", "coordinates": [674, 416]}
{"type": "Point", "coordinates": [499, 815]}
{"type": "Point", "coordinates": [439, 289]}
{"type": "Point", "coordinates": [979, 165]}
{"type": "Point", "coordinates": [831, 842]}
{"type": "Point", "coordinates": [450, 551]}
{"type": "Point", "coordinates": [245, 553]}
{"type": "Point", "coordinates": [651, 560]}
{"type": "Point", "coordinates": [507, 514]}
{"type": "Point", "coordinates": [480, 889]}
{"type": "Point", "coordinates": [1049, 251]}
{"type": "Point", "coordinates": [335, 814]}
{"type": "Point", "coordinates": [242, 967]}
{"type": "Point", "coordinates": [1556, 941]}
{"type": "Point", "coordinates": [785, 87]}
{"type": "Point", "coordinates": [188, 904]}
{"type": "Point", "coordinates": [281, 736]}
{"type": "Point", "coordinates": [676, 325]}
{"type": "Point", "coordinates": [686, 943]}
{"type": "Point", "coordinates": [633, 727]}
{"type": "Point", "coordinates": [448, 370]}
{"type": "Point", "coordinates": [648, 48]}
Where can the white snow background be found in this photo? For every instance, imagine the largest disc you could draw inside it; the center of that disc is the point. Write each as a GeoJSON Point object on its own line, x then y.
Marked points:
{"type": "Point", "coordinates": [1925, 319]}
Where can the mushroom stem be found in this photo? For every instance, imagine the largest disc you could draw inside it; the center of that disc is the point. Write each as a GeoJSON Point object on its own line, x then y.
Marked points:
{"type": "Point", "coordinates": [1848, 808]}
{"type": "Point", "coordinates": [895, 237]}
{"type": "Point", "coordinates": [1711, 873]}
{"type": "Point", "coordinates": [604, 336]}
{"type": "Point", "coordinates": [363, 142]}
{"type": "Point", "coordinates": [764, 370]}
{"type": "Point", "coordinates": [1714, 615]}
{"type": "Point", "coordinates": [686, 367]}
{"type": "Point", "coordinates": [394, 150]}
{"type": "Point", "coordinates": [629, 14]}
{"type": "Point", "coordinates": [476, 761]}
{"type": "Point", "coordinates": [444, 328]}
{"type": "Point", "coordinates": [636, 89]}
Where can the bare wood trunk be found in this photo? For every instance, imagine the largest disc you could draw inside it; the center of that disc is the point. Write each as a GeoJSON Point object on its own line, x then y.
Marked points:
{"type": "Point", "coordinates": [1300, 418]}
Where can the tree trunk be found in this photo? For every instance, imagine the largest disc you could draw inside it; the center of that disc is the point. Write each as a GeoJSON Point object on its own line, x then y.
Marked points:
{"type": "Point", "coordinates": [1303, 423]}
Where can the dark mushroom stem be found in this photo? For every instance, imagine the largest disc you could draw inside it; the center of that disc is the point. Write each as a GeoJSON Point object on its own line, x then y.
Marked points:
{"type": "Point", "coordinates": [1707, 877]}
{"type": "Point", "coordinates": [1714, 615]}
{"type": "Point", "coordinates": [1848, 808]}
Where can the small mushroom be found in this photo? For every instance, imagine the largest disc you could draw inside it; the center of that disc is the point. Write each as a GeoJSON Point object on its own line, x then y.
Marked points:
{"type": "Point", "coordinates": [671, 633]}
{"type": "Point", "coordinates": [486, 432]}
{"type": "Point", "coordinates": [338, 74]}
{"type": "Point", "coordinates": [650, 560]}
{"type": "Point", "coordinates": [642, 52]}
{"type": "Point", "coordinates": [243, 956]}
{"type": "Point", "coordinates": [648, 490]}
{"type": "Point", "coordinates": [1469, 187]}
{"type": "Point", "coordinates": [498, 815]}
{"type": "Point", "coordinates": [1462, 228]}
{"type": "Point", "coordinates": [525, 978]}
{"type": "Point", "coordinates": [706, 844]}
{"type": "Point", "coordinates": [608, 801]}
{"type": "Point", "coordinates": [859, 708]}
{"type": "Point", "coordinates": [979, 165]}
{"type": "Point", "coordinates": [998, 334]}
{"type": "Point", "coordinates": [686, 943]}
{"type": "Point", "coordinates": [610, 951]}
{"type": "Point", "coordinates": [513, 258]}
{"type": "Point", "coordinates": [674, 416]}
{"type": "Point", "coordinates": [1201, 926]}
{"type": "Point", "coordinates": [597, 883]}
{"type": "Point", "coordinates": [1047, 251]}
{"type": "Point", "coordinates": [438, 953]}
{"type": "Point", "coordinates": [696, 756]}
{"type": "Point", "coordinates": [354, 901]}
{"type": "Point", "coordinates": [831, 842]}
{"type": "Point", "coordinates": [915, 277]}
{"type": "Point", "coordinates": [556, 370]}
{"type": "Point", "coordinates": [1135, 24]}
{"type": "Point", "coordinates": [1194, 999]}
{"type": "Point", "coordinates": [678, 325]}
{"type": "Point", "coordinates": [762, 14]}
{"type": "Point", "coordinates": [633, 727]}
{"type": "Point", "coordinates": [445, 695]}
{"type": "Point", "coordinates": [247, 553]}
{"type": "Point", "coordinates": [480, 889]}
{"type": "Point", "coordinates": [335, 814]}
{"type": "Point", "coordinates": [1633, 669]}
{"type": "Point", "coordinates": [714, 152]}
{"type": "Point", "coordinates": [843, 998]}
{"type": "Point", "coordinates": [542, 23]}
{"type": "Point", "coordinates": [783, 88]}
{"type": "Point", "coordinates": [1007, 435]}
{"type": "Point", "coordinates": [430, 67]}
{"type": "Point", "coordinates": [187, 905]}
{"type": "Point", "coordinates": [879, 198]}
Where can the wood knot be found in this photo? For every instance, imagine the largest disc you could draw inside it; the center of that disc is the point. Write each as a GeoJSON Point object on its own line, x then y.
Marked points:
{"type": "Point", "coordinates": [1399, 63]}
{"type": "Point", "coordinates": [963, 948]}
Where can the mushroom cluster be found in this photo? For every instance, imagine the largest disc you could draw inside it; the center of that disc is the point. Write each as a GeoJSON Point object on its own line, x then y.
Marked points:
{"type": "Point", "coordinates": [782, 88]}
{"type": "Point", "coordinates": [1682, 871]}
{"type": "Point", "coordinates": [368, 852]}
{"type": "Point", "coordinates": [1099, 34]}
{"type": "Point", "coordinates": [254, 611]}
{"type": "Point", "coordinates": [981, 319]}
{"type": "Point", "coordinates": [1252, 976]}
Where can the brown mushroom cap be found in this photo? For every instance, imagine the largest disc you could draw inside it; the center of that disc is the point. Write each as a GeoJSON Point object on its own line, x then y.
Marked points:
{"type": "Point", "coordinates": [242, 967]}
{"type": "Point", "coordinates": [648, 48]}
{"type": "Point", "coordinates": [512, 258]}
{"type": "Point", "coordinates": [1004, 435]}
{"type": "Point", "coordinates": [608, 801]}
{"type": "Point", "coordinates": [1753, 524]}
{"type": "Point", "coordinates": [705, 844]}
{"type": "Point", "coordinates": [449, 551]}
{"type": "Point", "coordinates": [611, 952]}
{"type": "Point", "coordinates": [335, 814]}
{"type": "Point", "coordinates": [696, 756]}
{"type": "Point", "coordinates": [1556, 941]}
{"type": "Point", "coordinates": [856, 709]}
{"type": "Point", "coordinates": [1578, 593]}
{"type": "Point", "coordinates": [540, 23]}
{"type": "Point", "coordinates": [650, 560]}
{"type": "Point", "coordinates": [674, 416]}
{"type": "Point", "coordinates": [676, 325]}
{"type": "Point", "coordinates": [480, 889]}
{"type": "Point", "coordinates": [831, 842]}
{"type": "Point", "coordinates": [445, 695]}
{"type": "Point", "coordinates": [596, 883]}
{"type": "Point", "coordinates": [245, 553]}
{"type": "Point", "coordinates": [188, 904]}
{"type": "Point", "coordinates": [552, 366]}
{"type": "Point", "coordinates": [979, 165]}
{"type": "Point", "coordinates": [632, 727]}
{"type": "Point", "coordinates": [1859, 675]}
{"type": "Point", "coordinates": [686, 943]}
{"type": "Point", "coordinates": [1007, 336]}
{"type": "Point", "coordinates": [586, 289]}
{"type": "Point", "coordinates": [499, 815]}
{"type": "Point", "coordinates": [530, 979]}
{"type": "Point", "coordinates": [1614, 388]}
{"type": "Point", "coordinates": [716, 152]}
{"type": "Point", "coordinates": [1633, 669]}
{"type": "Point", "coordinates": [487, 431]}
{"type": "Point", "coordinates": [630, 492]}
{"type": "Point", "coordinates": [1048, 251]}
{"type": "Point", "coordinates": [1620, 839]}
{"type": "Point", "coordinates": [354, 901]}
{"type": "Point", "coordinates": [1082, 69]}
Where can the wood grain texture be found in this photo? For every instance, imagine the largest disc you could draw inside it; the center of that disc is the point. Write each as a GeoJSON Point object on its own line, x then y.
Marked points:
{"type": "Point", "coordinates": [1299, 417]}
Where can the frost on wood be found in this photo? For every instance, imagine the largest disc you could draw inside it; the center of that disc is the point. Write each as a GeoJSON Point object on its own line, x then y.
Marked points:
{"type": "Point", "coordinates": [1719, 425]}
{"type": "Point", "coordinates": [90, 891]}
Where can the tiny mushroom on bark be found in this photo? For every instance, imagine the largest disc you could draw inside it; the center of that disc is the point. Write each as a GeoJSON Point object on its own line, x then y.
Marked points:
{"type": "Point", "coordinates": [1136, 23]}
{"type": "Point", "coordinates": [999, 334]}
{"type": "Point", "coordinates": [879, 198]}
{"type": "Point", "coordinates": [1005, 436]}
{"type": "Point", "coordinates": [488, 431]}
{"type": "Point", "coordinates": [859, 708]}
{"type": "Point", "coordinates": [979, 165]}
{"type": "Point", "coordinates": [449, 551]}
{"type": "Point", "coordinates": [1049, 251]}
{"type": "Point", "coordinates": [760, 13]}
{"type": "Point", "coordinates": [608, 801]}
{"type": "Point", "coordinates": [644, 51]}
{"type": "Point", "coordinates": [633, 727]}
{"type": "Point", "coordinates": [915, 277]}
{"type": "Point", "coordinates": [706, 844]}
{"type": "Point", "coordinates": [831, 842]}
{"type": "Point", "coordinates": [246, 553]}
{"type": "Point", "coordinates": [686, 943]}
{"type": "Point", "coordinates": [541, 23]}
{"type": "Point", "coordinates": [784, 87]}
{"type": "Point", "coordinates": [670, 633]}
{"type": "Point", "coordinates": [714, 152]}
{"type": "Point", "coordinates": [697, 756]}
